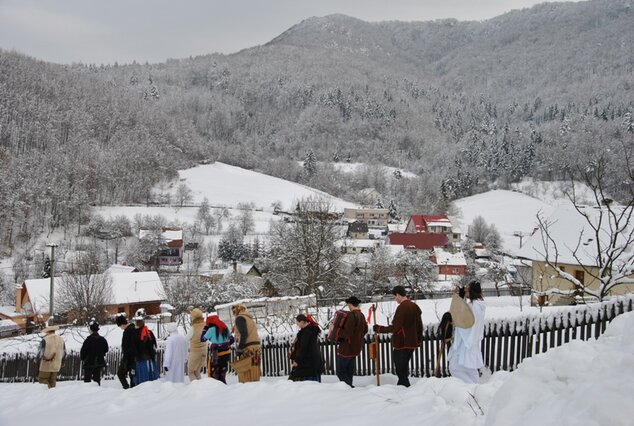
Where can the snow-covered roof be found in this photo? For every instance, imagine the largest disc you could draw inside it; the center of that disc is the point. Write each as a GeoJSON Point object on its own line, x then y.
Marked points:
{"type": "Point", "coordinates": [310, 298]}
{"type": "Point", "coordinates": [119, 269]}
{"type": "Point", "coordinates": [571, 232]}
{"type": "Point", "coordinates": [241, 268]}
{"type": "Point", "coordinates": [9, 311]}
{"type": "Point", "coordinates": [361, 243]}
{"type": "Point", "coordinates": [169, 234]}
{"type": "Point", "coordinates": [447, 258]}
{"type": "Point", "coordinates": [396, 227]}
{"type": "Point", "coordinates": [8, 325]}
{"type": "Point", "coordinates": [137, 287]}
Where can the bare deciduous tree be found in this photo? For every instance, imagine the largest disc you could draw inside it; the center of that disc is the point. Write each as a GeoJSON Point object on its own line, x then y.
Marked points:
{"type": "Point", "coordinates": [602, 247]}
{"type": "Point", "coordinates": [85, 291]}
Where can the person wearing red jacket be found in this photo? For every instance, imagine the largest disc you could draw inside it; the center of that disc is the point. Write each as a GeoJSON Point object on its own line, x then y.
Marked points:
{"type": "Point", "coordinates": [407, 333]}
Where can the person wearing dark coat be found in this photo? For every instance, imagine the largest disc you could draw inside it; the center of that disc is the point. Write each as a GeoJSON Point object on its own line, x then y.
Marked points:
{"type": "Point", "coordinates": [145, 353]}
{"type": "Point", "coordinates": [128, 354]}
{"type": "Point", "coordinates": [351, 340]}
{"type": "Point", "coordinates": [407, 333]}
{"type": "Point", "coordinates": [93, 355]}
{"type": "Point", "coordinates": [306, 359]}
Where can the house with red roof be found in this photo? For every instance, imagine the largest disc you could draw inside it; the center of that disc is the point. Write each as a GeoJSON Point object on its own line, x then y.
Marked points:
{"type": "Point", "coordinates": [419, 242]}
{"type": "Point", "coordinates": [434, 224]}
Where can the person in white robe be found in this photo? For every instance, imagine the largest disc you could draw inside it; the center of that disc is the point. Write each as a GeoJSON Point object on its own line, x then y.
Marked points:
{"type": "Point", "coordinates": [175, 357]}
{"type": "Point", "coordinates": [465, 355]}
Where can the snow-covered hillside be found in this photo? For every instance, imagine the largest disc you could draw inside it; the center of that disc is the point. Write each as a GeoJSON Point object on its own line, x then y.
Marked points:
{"type": "Point", "coordinates": [225, 185]}
{"type": "Point", "coordinates": [511, 213]}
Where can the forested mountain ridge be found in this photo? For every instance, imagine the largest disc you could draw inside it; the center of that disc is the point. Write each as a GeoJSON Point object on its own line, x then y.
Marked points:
{"type": "Point", "coordinates": [462, 104]}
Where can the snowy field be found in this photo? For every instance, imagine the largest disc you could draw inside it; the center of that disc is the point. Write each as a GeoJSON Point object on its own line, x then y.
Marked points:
{"type": "Point", "coordinates": [580, 383]}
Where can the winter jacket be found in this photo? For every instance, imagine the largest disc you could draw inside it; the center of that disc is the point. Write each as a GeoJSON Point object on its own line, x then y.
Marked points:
{"type": "Point", "coordinates": [307, 354]}
{"type": "Point", "coordinates": [218, 342]}
{"type": "Point", "coordinates": [246, 331]}
{"type": "Point", "coordinates": [144, 344]}
{"type": "Point", "coordinates": [196, 344]}
{"type": "Point", "coordinates": [93, 351]}
{"type": "Point", "coordinates": [52, 353]}
{"type": "Point", "coordinates": [128, 347]}
{"type": "Point", "coordinates": [352, 334]}
{"type": "Point", "coordinates": [407, 326]}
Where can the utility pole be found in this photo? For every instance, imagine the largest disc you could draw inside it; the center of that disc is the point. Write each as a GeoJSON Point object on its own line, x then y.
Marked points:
{"type": "Point", "coordinates": [52, 292]}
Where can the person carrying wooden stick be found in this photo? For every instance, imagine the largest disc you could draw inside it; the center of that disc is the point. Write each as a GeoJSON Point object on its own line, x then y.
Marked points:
{"type": "Point", "coordinates": [407, 333]}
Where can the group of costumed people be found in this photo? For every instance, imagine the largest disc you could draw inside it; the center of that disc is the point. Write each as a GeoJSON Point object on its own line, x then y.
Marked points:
{"type": "Point", "coordinates": [209, 343]}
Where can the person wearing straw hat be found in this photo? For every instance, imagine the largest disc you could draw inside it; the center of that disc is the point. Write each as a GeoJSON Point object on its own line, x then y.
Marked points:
{"type": "Point", "coordinates": [52, 353]}
{"type": "Point", "coordinates": [350, 341]}
{"type": "Point", "coordinates": [465, 354]}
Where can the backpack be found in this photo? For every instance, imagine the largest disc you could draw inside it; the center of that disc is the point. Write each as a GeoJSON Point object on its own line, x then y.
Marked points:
{"type": "Point", "coordinates": [334, 329]}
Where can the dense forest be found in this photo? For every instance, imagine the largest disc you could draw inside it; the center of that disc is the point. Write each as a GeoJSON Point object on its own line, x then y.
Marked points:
{"type": "Point", "coordinates": [464, 105]}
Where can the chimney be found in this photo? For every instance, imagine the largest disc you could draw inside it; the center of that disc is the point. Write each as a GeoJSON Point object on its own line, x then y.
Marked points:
{"type": "Point", "coordinates": [235, 266]}
{"type": "Point", "coordinates": [18, 299]}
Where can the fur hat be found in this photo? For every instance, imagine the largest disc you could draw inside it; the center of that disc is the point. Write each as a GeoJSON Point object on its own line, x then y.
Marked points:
{"type": "Point", "coordinates": [121, 320]}
{"type": "Point", "coordinates": [196, 313]}
{"type": "Point", "coordinates": [353, 300]}
{"type": "Point", "coordinates": [400, 290]}
{"type": "Point", "coordinates": [50, 328]}
{"type": "Point", "coordinates": [236, 309]}
{"type": "Point", "coordinates": [94, 326]}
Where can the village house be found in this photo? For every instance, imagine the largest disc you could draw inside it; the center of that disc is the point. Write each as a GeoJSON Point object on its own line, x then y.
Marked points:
{"type": "Point", "coordinates": [419, 242]}
{"type": "Point", "coordinates": [358, 230]}
{"type": "Point", "coordinates": [245, 272]}
{"type": "Point", "coordinates": [130, 291]}
{"type": "Point", "coordinates": [170, 243]}
{"type": "Point", "coordinates": [358, 246]}
{"type": "Point", "coordinates": [450, 265]}
{"type": "Point", "coordinates": [433, 224]}
{"type": "Point", "coordinates": [571, 247]}
{"type": "Point", "coordinates": [372, 217]}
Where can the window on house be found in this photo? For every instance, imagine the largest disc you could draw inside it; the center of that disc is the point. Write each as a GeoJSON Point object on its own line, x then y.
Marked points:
{"type": "Point", "coordinates": [562, 268]}
{"type": "Point", "coordinates": [455, 236]}
{"type": "Point", "coordinates": [580, 275]}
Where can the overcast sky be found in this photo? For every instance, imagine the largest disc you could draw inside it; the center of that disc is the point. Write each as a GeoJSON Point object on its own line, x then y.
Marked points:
{"type": "Point", "coordinates": [106, 31]}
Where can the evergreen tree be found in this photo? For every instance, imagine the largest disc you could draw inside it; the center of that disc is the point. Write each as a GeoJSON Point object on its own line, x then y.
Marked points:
{"type": "Point", "coordinates": [393, 212]}
{"type": "Point", "coordinates": [310, 163]}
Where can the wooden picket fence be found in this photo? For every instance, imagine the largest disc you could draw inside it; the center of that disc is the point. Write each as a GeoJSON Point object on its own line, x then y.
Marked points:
{"type": "Point", "coordinates": [505, 345]}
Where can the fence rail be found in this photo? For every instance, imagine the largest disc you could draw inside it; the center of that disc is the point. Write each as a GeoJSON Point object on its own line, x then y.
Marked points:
{"type": "Point", "coordinates": [505, 345]}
